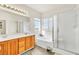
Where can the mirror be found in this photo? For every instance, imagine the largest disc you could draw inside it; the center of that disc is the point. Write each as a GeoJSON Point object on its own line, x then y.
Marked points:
{"type": "Point", "coordinates": [2, 27]}
{"type": "Point", "coordinates": [14, 26]}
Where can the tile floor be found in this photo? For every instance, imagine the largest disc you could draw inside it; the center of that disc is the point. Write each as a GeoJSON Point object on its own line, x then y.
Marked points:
{"type": "Point", "coordinates": [38, 51]}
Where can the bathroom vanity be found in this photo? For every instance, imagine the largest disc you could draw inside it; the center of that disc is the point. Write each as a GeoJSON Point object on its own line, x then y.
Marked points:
{"type": "Point", "coordinates": [16, 44]}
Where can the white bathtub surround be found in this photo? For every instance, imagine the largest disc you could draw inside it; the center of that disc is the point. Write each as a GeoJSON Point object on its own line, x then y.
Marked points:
{"type": "Point", "coordinates": [44, 41]}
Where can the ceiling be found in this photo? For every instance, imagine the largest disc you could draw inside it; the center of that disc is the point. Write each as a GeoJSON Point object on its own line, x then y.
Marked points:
{"type": "Point", "coordinates": [42, 8]}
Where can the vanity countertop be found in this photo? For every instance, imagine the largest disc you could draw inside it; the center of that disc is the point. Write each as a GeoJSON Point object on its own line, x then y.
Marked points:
{"type": "Point", "coordinates": [13, 36]}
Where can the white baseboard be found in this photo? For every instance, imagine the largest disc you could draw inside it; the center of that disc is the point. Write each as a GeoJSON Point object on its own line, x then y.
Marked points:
{"type": "Point", "coordinates": [61, 52]}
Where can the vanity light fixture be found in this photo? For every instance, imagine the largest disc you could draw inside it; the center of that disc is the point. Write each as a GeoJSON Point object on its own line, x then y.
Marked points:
{"type": "Point", "coordinates": [12, 8]}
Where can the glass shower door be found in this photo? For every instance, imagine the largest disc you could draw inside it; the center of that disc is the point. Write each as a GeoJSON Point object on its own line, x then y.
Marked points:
{"type": "Point", "coordinates": [66, 35]}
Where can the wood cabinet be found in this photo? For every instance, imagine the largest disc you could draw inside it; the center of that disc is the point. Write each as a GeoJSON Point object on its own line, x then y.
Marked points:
{"type": "Point", "coordinates": [1, 48]}
{"type": "Point", "coordinates": [13, 47]}
{"type": "Point", "coordinates": [17, 46]}
{"type": "Point", "coordinates": [28, 42]}
{"type": "Point", "coordinates": [5, 48]}
{"type": "Point", "coordinates": [21, 45]}
{"type": "Point", "coordinates": [32, 41]}
{"type": "Point", "coordinates": [9, 47]}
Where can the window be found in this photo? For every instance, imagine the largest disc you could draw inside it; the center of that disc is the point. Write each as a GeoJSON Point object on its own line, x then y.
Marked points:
{"type": "Point", "coordinates": [37, 26]}
{"type": "Point", "coordinates": [47, 28]}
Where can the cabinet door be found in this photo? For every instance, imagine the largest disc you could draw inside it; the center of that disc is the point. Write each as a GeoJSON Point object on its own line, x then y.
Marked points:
{"type": "Point", "coordinates": [5, 48]}
{"type": "Point", "coordinates": [1, 49]}
{"type": "Point", "coordinates": [13, 47]}
{"type": "Point", "coordinates": [9, 47]}
{"type": "Point", "coordinates": [28, 42]}
{"type": "Point", "coordinates": [21, 45]}
{"type": "Point", "coordinates": [32, 41]}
